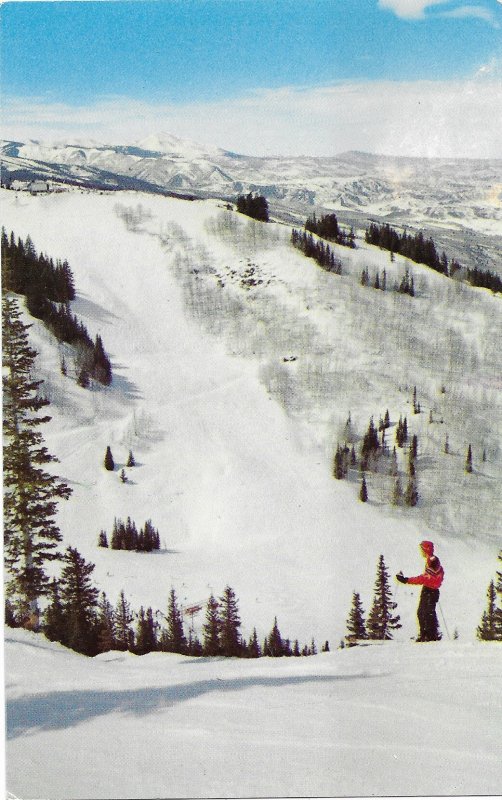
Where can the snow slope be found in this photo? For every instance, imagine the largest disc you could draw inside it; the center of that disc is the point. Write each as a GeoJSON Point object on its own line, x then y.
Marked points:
{"type": "Point", "coordinates": [233, 396]}
{"type": "Point", "coordinates": [236, 363]}
{"type": "Point", "coordinates": [382, 720]}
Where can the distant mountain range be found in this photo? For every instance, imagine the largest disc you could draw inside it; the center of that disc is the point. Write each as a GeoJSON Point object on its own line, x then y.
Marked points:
{"type": "Point", "coordinates": [444, 195]}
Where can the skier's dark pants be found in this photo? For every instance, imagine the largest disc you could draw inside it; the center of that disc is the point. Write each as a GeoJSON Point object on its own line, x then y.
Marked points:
{"type": "Point", "coordinates": [426, 614]}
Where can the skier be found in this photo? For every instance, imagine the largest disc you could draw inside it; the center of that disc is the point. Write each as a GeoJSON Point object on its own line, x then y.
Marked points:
{"type": "Point", "coordinates": [430, 580]}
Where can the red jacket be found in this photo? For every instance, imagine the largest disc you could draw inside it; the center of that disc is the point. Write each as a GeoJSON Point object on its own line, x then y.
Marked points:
{"type": "Point", "coordinates": [433, 575]}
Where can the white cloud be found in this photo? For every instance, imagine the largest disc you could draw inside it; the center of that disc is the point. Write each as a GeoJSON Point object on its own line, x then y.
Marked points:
{"type": "Point", "coordinates": [476, 12]}
{"type": "Point", "coordinates": [422, 118]}
{"type": "Point", "coordinates": [415, 9]}
{"type": "Point", "coordinates": [409, 9]}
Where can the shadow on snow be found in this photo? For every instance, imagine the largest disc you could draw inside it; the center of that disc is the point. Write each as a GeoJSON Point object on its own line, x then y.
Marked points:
{"type": "Point", "coordinates": [65, 709]}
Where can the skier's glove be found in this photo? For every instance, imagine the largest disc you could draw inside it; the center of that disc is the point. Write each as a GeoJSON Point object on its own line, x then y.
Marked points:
{"type": "Point", "coordinates": [400, 577]}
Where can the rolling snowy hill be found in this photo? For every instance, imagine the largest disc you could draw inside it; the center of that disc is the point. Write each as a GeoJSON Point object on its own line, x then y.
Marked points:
{"type": "Point", "coordinates": [236, 364]}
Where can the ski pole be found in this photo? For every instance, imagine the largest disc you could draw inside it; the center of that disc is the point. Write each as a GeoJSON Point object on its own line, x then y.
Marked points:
{"type": "Point", "coordinates": [444, 620]}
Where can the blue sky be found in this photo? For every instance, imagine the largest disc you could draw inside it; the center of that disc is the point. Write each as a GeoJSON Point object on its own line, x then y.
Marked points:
{"type": "Point", "coordinates": [101, 68]}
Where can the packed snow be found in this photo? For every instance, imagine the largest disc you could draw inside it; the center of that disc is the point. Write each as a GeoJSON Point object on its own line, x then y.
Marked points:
{"type": "Point", "coordinates": [236, 364]}
{"type": "Point", "coordinates": [396, 719]}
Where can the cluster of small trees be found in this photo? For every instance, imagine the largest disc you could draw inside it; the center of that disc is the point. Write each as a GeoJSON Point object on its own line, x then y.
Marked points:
{"type": "Point", "coordinates": [327, 227]}
{"type": "Point", "coordinates": [318, 250]}
{"type": "Point", "coordinates": [423, 251]}
{"type": "Point", "coordinates": [490, 627]}
{"type": "Point", "coordinates": [253, 205]}
{"type": "Point", "coordinates": [49, 288]}
{"type": "Point", "coordinates": [382, 620]}
{"type": "Point", "coordinates": [405, 286]}
{"type": "Point", "coordinates": [484, 278]}
{"type": "Point", "coordinates": [26, 272]}
{"type": "Point", "coordinates": [417, 248]}
{"type": "Point", "coordinates": [376, 456]}
{"type": "Point", "coordinates": [125, 536]}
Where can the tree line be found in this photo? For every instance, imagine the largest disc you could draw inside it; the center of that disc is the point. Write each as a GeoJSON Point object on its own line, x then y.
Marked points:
{"type": "Point", "coordinates": [318, 250]}
{"type": "Point", "coordinates": [254, 206]}
{"type": "Point", "coordinates": [327, 227]}
{"type": "Point", "coordinates": [423, 251]}
{"type": "Point", "coordinates": [49, 289]}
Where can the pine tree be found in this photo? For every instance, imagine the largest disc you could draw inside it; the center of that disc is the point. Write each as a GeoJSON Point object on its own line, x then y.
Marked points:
{"type": "Point", "coordinates": [109, 462]}
{"type": "Point", "coordinates": [411, 493]}
{"type": "Point", "coordinates": [174, 639]}
{"type": "Point", "coordinates": [79, 599]}
{"type": "Point", "coordinates": [211, 629]}
{"type": "Point", "coordinates": [381, 621]}
{"type": "Point", "coordinates": [31, 535]}
{"type": "Point", "coordinates": [103, 539]}
{"type": "Point", "coordinates": [254, 650]}
{"type": "Point", "coordinates": [468, 460]}
{"type": "Point", "coordinates": [230, 623]}
{"type": "Point", "coordinates": [106, 625]}
{"type": "Point", "coordinates": [146, 634]}
{"type": "Point", "coordinates": [54, 625]}
{"type": "Point", "coordinates": [487, 629]}
{"type": "Point", "coordinates": [275, 643]}
{"type": "Point", "coordinates": [363, 492]}
{"type": "Point", "coordinates": [124, 635]}
{"type": "Point", "coordinates": [397, 492]}
{"type": "Point", "coordinates": [498, 611]}
{"type": "Point", "coordinates": [131, 461]}
{"type": "Point", "coordinates": [356, 627]}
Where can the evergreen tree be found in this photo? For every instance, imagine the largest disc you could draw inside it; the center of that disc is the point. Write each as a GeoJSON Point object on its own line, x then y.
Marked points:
{"type": "Point", "coordinates": [397, 493]}
{"type": "Point", "coordinates": [174, 639]}
{"type": "Point", "coordinates": [275, 643]}
{"type": "Point", "coordinates": [103, 540]}
{"type": "Point", "coordinates": [31, 535]}
{"type": "Point", "coordinates": [363, 492]}
{"type": "Point", "coordinates": [54, 626]}
{"type": "Point", "coordinates": [211, 629]}
{"type": "Point", "coordinates": [498, 611]}
{"type": "Point", "coordinates": [411, 493]}
{"type": "Point", "coordinates": [381, 621]}
{"type": "Point", "coordinates": [488, 628]}
{"type": "Point", "coordinates": [356, 627]}
{"type": "Point", "coordinates": [230, 624]}
{"type": "Point", "coordinates": [79, 599]}
{"type": "Point", "coordinates": [131, 461]}
{"type": "Point", "coordinates": [393, 469]}
{"type": "Point", "coordinates": [370, 447]}
{"type": "Point", "coordinates": [254, 650]}
{"type": "Point", "coordinates": [109, 462]}
{"type": "Point", "coordinates": [468, 460]}
{"type": "Point", "coordinates": [106, 625]}
{"type": "Point", "coordinates": [146, 634]}
{"type": "Point", "coordinates": [101, 367]}
{"type": "Point", "coordinates": [124, 636]}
